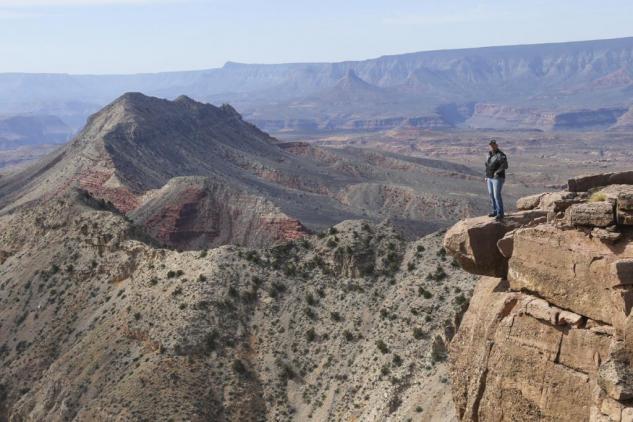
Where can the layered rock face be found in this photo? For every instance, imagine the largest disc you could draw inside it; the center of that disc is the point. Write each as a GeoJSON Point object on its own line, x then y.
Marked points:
{"type": "Point", "coordinates": [548, 332]}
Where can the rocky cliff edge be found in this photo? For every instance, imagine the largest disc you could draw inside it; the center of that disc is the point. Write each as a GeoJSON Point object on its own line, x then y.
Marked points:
{"type": "Point", "coordinates": [548, 334]}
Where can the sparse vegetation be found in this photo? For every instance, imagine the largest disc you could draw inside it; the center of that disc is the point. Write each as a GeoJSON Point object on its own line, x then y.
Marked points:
{"type": "Point", "coordinates": [598, 197]}
{"type": "Point", "coordinates": [382, 346]}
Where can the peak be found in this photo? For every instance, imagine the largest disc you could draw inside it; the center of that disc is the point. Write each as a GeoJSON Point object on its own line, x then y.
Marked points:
{"type": "Point", "coordinates": [185, 100]}
{"type": "Point", "coordinates": [230, 111]}
{"type": "Point", "coordinates": [352, 79]}
{"type": "Point", "coordinates": [133, 97]}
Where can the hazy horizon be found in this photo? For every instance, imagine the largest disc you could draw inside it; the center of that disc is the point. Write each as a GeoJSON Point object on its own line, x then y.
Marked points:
{"type": "Point", "coordinates": [150, 36]}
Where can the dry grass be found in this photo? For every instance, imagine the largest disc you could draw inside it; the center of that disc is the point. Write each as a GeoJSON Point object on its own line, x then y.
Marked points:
{"type": "Point", "coordinates": [598, 197]}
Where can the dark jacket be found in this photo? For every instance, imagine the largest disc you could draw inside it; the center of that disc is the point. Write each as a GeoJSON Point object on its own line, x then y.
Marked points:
{"type": "Point", "coordinates": [496, 165]}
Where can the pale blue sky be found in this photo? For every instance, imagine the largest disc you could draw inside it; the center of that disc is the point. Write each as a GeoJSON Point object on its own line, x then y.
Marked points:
{"type": "Point", "coordinates": [127, 36]}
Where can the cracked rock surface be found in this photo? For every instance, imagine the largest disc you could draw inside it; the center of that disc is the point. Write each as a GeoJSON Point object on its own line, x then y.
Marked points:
{"type": "Point", "coordinates": [548, 334]}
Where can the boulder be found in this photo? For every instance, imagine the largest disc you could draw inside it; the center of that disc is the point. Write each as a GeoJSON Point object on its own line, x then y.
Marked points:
{"type": "Point", "coordinates": [607, 236]}
{"type": "Point", "coordinates": [557, 201]}
{"type": "Point", "coordinates": [569, 318]}
{"type": "Point", "coordinates": [625, 201]}
{"type": "Point", "coordinates": [585, 183]}
{"type": "Point", "coordinates": [529, 202]}
{"type": "Point", "coordinates": [473, 242]}
{"type": "Point", "coordinates": [570, 270]}
{"type": "Point", "coordinates": [596, 214]}
{"type": "Point", "coordinates": [624, 218]}
{"type": "Point", "coordinates": [505, 244]}
{"type": "Point", "coordinates": [540, 309]}
{"type": "Point", "coordinates": [612, 409]}
{"type": "Point", "coordinates": [615, 375]}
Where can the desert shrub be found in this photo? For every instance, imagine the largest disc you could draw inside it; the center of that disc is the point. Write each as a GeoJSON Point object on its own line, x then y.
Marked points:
{"type": "Point", "coordinates": [290, 269]}
{"type": "Point", "coordinates": [310, 313]}
{"type": "Point", "coordinates": [348, 335]}
{"type": "Point", "coordinates": [177, 291]}
{"type": "Point", "coordinates": [171, 274]}
{"type": "Point", "coordinates": [239, 367]}
{"type": "Point", "coordinates": [438, 275]}
{"type": "Point", "coordinates": [211, 341]}
{"type": "Point", "coordinates": [598, 197]}
{"type": "Point", "coordinates": [286, 371]}
{"type": "Point", "coordinates": [310, 335]}
{"type": "Point", "coordinates": [382, 346]}
{"type": "Point", "coordinates": [424, 293]}
{"type": "Point", "coordinates": [411, 266]}
{"type": "Point", "coordinates": [419, 333]}
{"type": "Point", "coordinates": [249, 296]}
{"type": "Point", "coordinates": [397, 360]}
{"type": "Point", "coordinates": [253, 257]}
{"type": "Point", "coordinates": [385, 370]}
{"type": "Point", "coordinates": [460, 299]}
{"type": "Point", "coordinates": [331, 243]}
{"type": "Point", "coordinates": [310, 299]}
{"type": "Point", "coordinates": [203, 254]}
{"type": "Point", "coordinates": [202, 278]}
{"type": "Point", "coordinates": [335, 316]}
{"type": "Point", "coordinates": [333, 230]}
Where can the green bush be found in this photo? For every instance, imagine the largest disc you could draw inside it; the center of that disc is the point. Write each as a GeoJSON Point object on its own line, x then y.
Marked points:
{"type": "Point", "coordinates": [384, 349]}
{"type": "Point", "coordinates": [336, 316]}
{"type": "Point", "coordinates": [419, 333]}
{"type": "Point", "coordinates": [310, 335]}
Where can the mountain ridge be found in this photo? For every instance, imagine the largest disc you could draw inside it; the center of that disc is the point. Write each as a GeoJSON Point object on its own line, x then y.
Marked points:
{"type": "Point", "coordinates": [553, 77]}
{"type": "Point", "coordinates": [136, 150]}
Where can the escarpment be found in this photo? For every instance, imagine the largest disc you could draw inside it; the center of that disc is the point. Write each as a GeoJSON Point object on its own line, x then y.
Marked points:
{"type": "Point", "coordinates": [548, 332]}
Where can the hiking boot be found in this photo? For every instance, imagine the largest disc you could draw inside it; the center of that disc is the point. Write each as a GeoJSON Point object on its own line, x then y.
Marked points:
{"type": "Point", "coordinates": [492, 214]}
{"type": "Point", "coordinates": [499, 217]}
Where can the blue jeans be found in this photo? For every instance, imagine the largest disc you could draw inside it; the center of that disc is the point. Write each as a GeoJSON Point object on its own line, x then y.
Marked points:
{"type": "Point", "coordinates": [494, 190]}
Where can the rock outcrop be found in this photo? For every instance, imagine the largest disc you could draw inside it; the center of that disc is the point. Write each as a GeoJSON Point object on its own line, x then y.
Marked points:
{"type": "Point", "coordinates": [548, 332]}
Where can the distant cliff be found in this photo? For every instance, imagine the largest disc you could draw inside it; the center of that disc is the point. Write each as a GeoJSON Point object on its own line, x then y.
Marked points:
{"type": "Point", "coordinates": [367, 94]}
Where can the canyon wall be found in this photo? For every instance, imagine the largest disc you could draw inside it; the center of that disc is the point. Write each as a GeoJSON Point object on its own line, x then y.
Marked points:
{"type": "Point", "coordinates": [547, 335]}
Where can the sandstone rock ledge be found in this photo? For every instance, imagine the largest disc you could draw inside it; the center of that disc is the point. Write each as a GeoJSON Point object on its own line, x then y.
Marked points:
{"type": "Point", "coordinates": [548, 334]}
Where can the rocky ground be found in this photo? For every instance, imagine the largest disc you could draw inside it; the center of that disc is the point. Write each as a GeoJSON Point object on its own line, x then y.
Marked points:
{"type": "Point", "coordinates": [547, 333]}
{"type": "Point", "coordinates": [98, 323]}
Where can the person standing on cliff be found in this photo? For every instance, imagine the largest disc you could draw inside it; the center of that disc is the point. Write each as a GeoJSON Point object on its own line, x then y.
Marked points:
{"type": "Point", "coordinates": [496, 165]}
